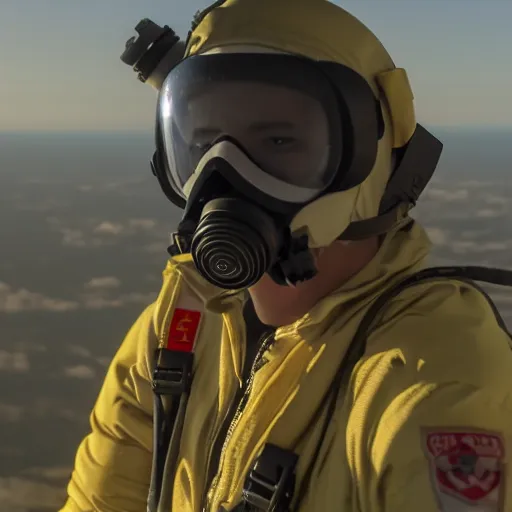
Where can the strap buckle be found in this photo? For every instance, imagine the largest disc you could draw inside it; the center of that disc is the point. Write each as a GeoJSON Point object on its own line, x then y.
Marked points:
{"type": "Point", "coordinates": [270, 483]}
{"type": "Point", "coordinates": [173, 372]}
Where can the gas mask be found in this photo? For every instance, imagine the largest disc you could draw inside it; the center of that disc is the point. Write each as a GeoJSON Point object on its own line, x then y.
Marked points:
{"type": "Point", "coordinates": [248, 143]}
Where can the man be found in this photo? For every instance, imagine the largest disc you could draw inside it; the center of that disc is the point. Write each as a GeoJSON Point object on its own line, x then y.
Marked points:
{"type": "Point", "coordinates": [288, 136]}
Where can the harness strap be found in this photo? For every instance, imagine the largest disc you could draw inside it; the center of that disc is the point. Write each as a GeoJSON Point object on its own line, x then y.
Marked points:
{"type": "Point", "coordinates": [270, 483]}
{"type": "Point", "coordinates": [171, 383]}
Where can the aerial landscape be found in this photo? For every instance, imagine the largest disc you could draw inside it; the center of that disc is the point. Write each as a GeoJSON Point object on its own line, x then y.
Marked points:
{"type": "Point", "coordinates": [83, 247]}
{"type": "Point", "coordinates": [85, 227]}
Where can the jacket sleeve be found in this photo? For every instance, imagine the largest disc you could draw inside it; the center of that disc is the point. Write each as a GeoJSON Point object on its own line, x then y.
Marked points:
{"type": "Point", "coordinates": [442, 432]}
{"type": "Point", "coordinates": [113, 463]}
{"type": "Point", "coordinates": [444, 449]}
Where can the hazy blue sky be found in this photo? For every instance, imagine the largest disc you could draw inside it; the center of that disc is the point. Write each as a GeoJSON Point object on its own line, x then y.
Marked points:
{"type": "Point", "coordinates": [61, 68]}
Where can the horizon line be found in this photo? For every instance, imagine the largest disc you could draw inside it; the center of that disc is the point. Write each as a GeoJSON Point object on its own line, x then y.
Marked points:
{"type": "Point", "coordinates": [150, 132]}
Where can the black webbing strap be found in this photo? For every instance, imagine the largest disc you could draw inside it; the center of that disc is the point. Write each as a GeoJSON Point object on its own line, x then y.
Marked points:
{"type": "Point", "coordinates": [172, 377]}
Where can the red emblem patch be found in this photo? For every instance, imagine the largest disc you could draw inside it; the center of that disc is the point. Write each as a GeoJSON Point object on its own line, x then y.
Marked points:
{"type": "Point", "coordinates": [183, 330]}
{"type": "Point", "coordinates": [467, 467]}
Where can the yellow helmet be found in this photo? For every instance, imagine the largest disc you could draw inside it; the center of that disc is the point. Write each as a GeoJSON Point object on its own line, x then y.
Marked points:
{"type": "Point", "coordinates": [367, 198]}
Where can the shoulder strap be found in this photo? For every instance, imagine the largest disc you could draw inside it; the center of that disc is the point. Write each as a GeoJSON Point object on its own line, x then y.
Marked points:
{"type": "Point", "coordinates": [467, 274]}
{"type": "Point", "coordinates": [357, 346]}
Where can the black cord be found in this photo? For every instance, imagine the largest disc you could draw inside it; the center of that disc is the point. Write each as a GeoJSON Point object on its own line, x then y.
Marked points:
{"type": "Point", "coordinates": [163, 428]}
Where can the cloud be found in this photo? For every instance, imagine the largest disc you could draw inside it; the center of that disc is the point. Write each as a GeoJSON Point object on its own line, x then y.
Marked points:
{"type": "Point", "coordinates": [471, 246]}
{"type": "Point", "coordinates": [29, 346]}
{"type": "Point", "coordinates": [53, 221]}
{"type": "Point", "coordinates": [143, 224]}
{"type": "Point", "coordinates": [477, 184]}
{"type": "Point", "coordinates": [23, 495]}
{"type": "Point", "coordinates": [447, 195]}
{"type": "Point", "coordinates": [45, 408]}
{"type": "Point", "coordinates": [98, 294]}
{"type": "Point", "coordinates": [104, 361]}
{"type": "Point", "coordinates": [488, 213]}
{"type": "Point", "coordinates": [15, 362]}
{"type": "Point", "coordinates": [494, 199]}
{"type": "Point", "coordinates": [109, 228]}
{"type": "Point", "coordinates": [79, 351]}
{"type": "Point", "coordinates": [10, 413]}
{"type": "Point", "coordinates": [43, 206]}
{"type": "Point", "coordinates": [131, 227]}
{"type": "Point", "coordinates": [95, 296]}
{"type": "Point", "coordinates": [467, 243]}
{"type": "Point", "coordinates": [453, 215]}
{"type": "Point", "coordinates": [115, 185]}
{"type": "Point", "coordinates": [493, 246]}
{"type": "Point", "coordinates": [103, 282]}
{"type": "Point", "coordinates": [157, 248]}
{"type": "Point", "coordinates": [473, 234]}
{"type": "Point", "coordinates": [463, 246]}
{"type": "Point", "coordinates": [95, 302]}
{"type": "Point", "coordinates": [21, 300]}
{"type": "Point", "coordinates": [55, 473]}
{"type": "Point", "coordinates": [139, 298]}
{"type": "Point", "coordinates": [102, 302]}
{"type": "Point", "coordinates": [99, 234]}
{"type": "Point", "coordinates": [73, 237]}
{"type": "Point", "coordinates": [71, 415]}
{"type": "Point", "coordinates": [127, 187]}
{"type": "Point", "coordinates": [80, 372]}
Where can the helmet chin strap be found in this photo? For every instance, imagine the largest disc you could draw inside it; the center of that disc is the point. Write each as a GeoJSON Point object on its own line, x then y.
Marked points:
{"type": "Point", "coordinates": [415, 165]}
{"type": "Point", "coordinates": [361, 229]}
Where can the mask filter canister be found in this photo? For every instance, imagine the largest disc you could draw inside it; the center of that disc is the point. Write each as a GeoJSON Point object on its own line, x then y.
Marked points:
{"type": "Point", "coordinates": [235, 243]}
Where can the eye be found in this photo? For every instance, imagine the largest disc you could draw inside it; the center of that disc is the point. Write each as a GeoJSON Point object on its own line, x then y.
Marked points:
{"type": "Point", "coordinates": [281, 141]}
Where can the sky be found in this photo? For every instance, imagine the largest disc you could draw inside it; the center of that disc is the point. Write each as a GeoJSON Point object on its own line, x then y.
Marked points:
{"type": "Point", "coordinates": [61, 69]}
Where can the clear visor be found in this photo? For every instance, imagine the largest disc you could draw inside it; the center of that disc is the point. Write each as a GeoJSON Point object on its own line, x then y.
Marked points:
{"type": "Point", "coordinates": [286, 131]}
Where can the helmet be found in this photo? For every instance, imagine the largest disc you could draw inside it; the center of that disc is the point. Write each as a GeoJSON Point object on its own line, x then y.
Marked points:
{"type": "Point", "coordinates": [379, 159]}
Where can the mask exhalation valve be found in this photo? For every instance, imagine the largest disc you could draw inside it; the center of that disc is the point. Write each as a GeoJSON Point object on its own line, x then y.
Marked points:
{"type": "Point", "coordinates": [234, 244]}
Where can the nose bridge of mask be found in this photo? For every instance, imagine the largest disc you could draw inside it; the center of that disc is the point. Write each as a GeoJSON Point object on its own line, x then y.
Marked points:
{"type": "Point", "coordinates": [227, 152]}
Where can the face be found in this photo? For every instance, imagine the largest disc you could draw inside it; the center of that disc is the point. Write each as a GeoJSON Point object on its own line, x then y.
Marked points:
{"type": "Point", "coordinates": [283, 130]}
{"type": "Point", "coordinates": [281, 305]}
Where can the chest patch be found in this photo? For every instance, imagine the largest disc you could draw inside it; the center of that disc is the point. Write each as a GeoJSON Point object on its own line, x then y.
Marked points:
{"type": "Point", "coordinates": [466, 469]}
{"type": "Point", "coordinates": [183, 330]}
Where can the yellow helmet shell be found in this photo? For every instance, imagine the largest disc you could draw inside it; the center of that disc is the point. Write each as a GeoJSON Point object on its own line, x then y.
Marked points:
{"type": "Point", "coordinates": [322, 31]}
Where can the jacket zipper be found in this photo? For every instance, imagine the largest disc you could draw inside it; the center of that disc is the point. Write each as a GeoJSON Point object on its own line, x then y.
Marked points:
{"type": "Point", "coordinates": [244, 391]}
{"type": "Point", "coordinates": [212, 441]}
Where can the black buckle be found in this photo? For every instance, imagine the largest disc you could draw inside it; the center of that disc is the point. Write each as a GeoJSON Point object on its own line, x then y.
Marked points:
{"type": "Point", "coordinates": [173, 372]}
{"type": "Point", "coordinates": [271, 481]}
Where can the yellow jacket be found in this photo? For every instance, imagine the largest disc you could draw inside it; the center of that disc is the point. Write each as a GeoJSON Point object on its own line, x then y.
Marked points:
{"type": "Point", "coordinates": [434, 383]}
